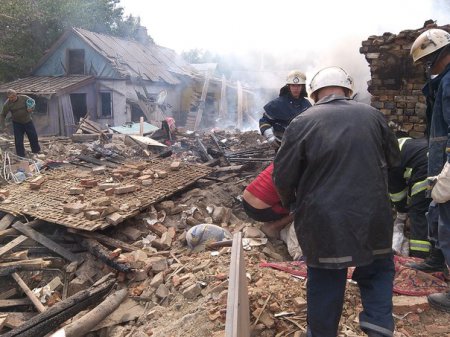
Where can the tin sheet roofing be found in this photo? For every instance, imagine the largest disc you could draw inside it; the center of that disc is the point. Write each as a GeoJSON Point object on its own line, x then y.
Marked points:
{"type": "Point", "coordinates": [46, 85]}
{"type": "Point", "coordinates": [132, 58]}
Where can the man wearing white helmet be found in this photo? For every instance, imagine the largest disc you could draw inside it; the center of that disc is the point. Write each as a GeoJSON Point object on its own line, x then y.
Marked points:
{"type": "Point", "coordinates": [333, 165]}
{"type": "Point", "coordinates": [432, 49]}
{"type": "Point", "coordinates": [279, 112]}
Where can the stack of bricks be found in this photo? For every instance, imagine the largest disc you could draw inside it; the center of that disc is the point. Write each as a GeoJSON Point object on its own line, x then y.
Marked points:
{"type": "Point", "coordinates": [396, 83]}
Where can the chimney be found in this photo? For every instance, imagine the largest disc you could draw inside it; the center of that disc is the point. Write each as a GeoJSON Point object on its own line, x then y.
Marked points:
{"type": "Point", "coordinates": [142, 35]}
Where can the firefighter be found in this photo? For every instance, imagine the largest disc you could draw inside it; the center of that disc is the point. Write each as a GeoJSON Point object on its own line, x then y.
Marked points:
{"type": "Point", "coordinates": [432, 50]}
{"type": "Point", "coordinates": [340, 222]}
{"type": "Point", "coordinates": [279, 112]}
{"type": "Point", "coordinates": [407, 189]}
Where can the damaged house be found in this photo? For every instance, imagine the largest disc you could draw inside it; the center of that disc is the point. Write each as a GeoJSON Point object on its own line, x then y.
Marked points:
{"type": "Point", "coordinates": [115, 82]}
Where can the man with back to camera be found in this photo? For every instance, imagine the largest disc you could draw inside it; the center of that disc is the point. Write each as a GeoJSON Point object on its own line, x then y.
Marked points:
{"type": "Point", "coordinates": [333, 164]}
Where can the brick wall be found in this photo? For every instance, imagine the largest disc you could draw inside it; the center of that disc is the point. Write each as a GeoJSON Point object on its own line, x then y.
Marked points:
{"type": "Point", "coordinates": [396, 84]}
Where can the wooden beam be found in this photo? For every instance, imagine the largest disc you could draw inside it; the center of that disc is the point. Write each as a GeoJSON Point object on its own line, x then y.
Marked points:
{"type": "Point", "coordinates": [39, 306]}
{"type": "Point", "coordinates": [14, 243]}
{"type": "Point", "coordinates": [14, 302]}
{"type": "Point", "coordinates": [53, 246]}
{"type": "Point", "coordinates": [6, 221]}
{"type": "Point", "coordinates": [201, 105]}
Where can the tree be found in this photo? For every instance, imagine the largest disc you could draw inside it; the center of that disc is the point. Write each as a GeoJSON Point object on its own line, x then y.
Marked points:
{"type": "Point", "coordinates": [29, 27]}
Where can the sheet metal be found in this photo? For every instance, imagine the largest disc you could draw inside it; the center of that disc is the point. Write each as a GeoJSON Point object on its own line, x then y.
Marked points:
{"type": "Point", "coordinates": [147, 61]}
{"type": "Point", "coordinates": [47, 202]}
{"type": "Point", "coordinates": [46, 85]}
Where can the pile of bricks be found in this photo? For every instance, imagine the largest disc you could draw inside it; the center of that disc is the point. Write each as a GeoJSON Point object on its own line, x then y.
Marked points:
{"type": "Point", "coordinates": [396, 83]}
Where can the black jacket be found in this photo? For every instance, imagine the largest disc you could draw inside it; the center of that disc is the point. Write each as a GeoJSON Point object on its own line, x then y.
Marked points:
{"type": "Point", "coordinates": [279, 112]}
{"type": "Point", "coordinates": [410, 177]}
{"type": "Point", "coordinates": [333, 164]}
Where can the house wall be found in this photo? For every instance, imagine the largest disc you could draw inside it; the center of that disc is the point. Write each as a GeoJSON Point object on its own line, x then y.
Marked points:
{"type": "Point", "coordinates": [396, 83]}
{"type": "Point", "coordinates": [95, 64]}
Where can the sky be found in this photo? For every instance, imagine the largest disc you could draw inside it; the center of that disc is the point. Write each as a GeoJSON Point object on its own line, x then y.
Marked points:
{"type": "Point", "coordinates": [309, 34]}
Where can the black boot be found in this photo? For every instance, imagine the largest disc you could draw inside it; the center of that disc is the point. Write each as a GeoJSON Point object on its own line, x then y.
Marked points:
{"type": "Point", "coordinates": [440, 301]}
{"type": "Point", "coordinates": [435, 262]}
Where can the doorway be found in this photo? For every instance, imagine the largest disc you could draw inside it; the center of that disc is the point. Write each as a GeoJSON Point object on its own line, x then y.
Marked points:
{"type": "Point", "coordinates": [79, 106]}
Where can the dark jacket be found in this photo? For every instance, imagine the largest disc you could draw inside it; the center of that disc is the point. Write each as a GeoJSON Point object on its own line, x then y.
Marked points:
{"type": "Point", "coordinates": [18, 110]}
{"type": "Point", "coordinates": [437, 92]}
{"type": "Point", "coordinates": [279, 112]}
{"type": "Point", "coordinates": [410, 178]}
{"type": "Point", "coordinates": [333, 164]}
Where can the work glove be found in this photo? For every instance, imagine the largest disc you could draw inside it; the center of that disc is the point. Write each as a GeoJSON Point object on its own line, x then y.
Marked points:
{"type": "Point", "coordinates": [271, 139]}
{"type": "Point", "coordinates": [441, 188]}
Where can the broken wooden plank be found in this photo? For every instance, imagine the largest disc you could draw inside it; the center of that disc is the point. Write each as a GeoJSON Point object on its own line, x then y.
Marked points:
{"type": "Point", "coordinates": [45, 322]}
{"type": "Point", "coordinates": [38, 237]}
{"type": "Point", "coordinates": [106, 240]}
{"type": "Point", "coordinates": [14, 243]}
{"type": "Point", "coordinates": [8, 293]}
{"type": "Point", "coordinates": [14, 302]}
{"type": "Point", "coordinates": [100, 251]}
{"type": "Point", "coordinates": [12, 231]}
{"type": "Point", "coordinates": [6, 221]}
{"type": "Point", "coordinates": [83, 325]}
{"type": "Point", "coordinates": [38, 305]}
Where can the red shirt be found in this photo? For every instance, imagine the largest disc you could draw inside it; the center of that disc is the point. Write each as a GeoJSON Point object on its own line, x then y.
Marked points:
{"type": "Point", "coordinates": [264, 189]}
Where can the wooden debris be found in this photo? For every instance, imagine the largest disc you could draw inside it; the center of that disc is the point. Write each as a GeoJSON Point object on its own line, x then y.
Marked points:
{"type": "Point", "coordinates": [100, 251]}
{"type": "Point", "coordinates": [86, 323]}
{"type": "Point", "coordinates": [46, 321]}
{"type": "Point", "coordinates": [7, 220]}
{"type": "Point", "coordinates": [39, 306]}
{"type": "Point", "coordinates": [38, 237]}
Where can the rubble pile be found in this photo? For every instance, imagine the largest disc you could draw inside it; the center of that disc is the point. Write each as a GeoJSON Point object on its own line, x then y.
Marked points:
{"type": "Point", "coordinates": [149, 274]}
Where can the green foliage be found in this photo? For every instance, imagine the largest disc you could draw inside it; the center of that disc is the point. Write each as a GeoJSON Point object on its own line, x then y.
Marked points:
{"type": "Point", "coordinates": [29, 27]}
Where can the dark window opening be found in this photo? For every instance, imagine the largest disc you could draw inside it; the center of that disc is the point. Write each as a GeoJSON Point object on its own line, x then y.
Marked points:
{"type": "Point", "coordinates": [106, 104]}
{"type": "Point", "coordinates": [79, 106]}
{"type": "Point", "coordinates": [41, 106]}
{"type": "Point", "coordinates": [76, 61]}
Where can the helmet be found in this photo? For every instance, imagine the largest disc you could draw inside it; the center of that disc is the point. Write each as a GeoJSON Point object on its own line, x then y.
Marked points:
{"type": "Point", "coordinates": [331, 76]}
{"type": "Point", "coordinates": [296, 77]}
{"type": "Point", "coordinates": [428, 42]}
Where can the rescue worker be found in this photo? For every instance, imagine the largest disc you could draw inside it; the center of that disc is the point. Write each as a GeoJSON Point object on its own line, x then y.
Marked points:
{"type": "Point", "coordinates": [279, 112]}
{"type": "Point", "coordinates": [333, 164]}
{"type": "Point", "coordinates": [21, 107]}
{"type": "Point", "coordinates": [262, 203]}
{"type": "Point", "coordinates": [407, 188]}
{"type": "Point", "coordinates": [432, 50]}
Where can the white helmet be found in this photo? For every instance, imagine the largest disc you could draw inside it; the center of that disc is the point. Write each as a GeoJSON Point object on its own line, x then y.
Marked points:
{"type": "Point", "coordinates": [331, 77]}
{"type": "Point", "coordinates": [428, 42]}
{"type": "Point", "coordinates": [296, 77]}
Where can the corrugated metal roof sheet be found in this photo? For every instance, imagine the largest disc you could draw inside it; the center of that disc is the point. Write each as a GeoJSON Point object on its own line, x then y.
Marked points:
{"type": "Point", "coordinates": [46, 85]}
{"type": "Point", "coordinates": [134, 59]}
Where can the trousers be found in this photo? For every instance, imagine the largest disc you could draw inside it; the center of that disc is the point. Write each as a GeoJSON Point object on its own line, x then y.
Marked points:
{"type": "Point", "coordinates": [325, 298]}
{"type": "Point", "coordinates": [439, 227]}
{"type": "Point", "coordinates": [28, 129]}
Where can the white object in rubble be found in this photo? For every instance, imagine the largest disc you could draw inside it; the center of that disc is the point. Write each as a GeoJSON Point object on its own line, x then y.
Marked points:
{"type": "Point", "coordinates": [288, 235]}
{"type": "Point", "coordinates": [200, 234]}
{"type": "Point", "coordinates": [399, 240]}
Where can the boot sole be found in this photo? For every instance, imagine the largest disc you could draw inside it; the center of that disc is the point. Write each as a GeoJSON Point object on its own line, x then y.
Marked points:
{"type": "Point", "coordinates": [438, 306]}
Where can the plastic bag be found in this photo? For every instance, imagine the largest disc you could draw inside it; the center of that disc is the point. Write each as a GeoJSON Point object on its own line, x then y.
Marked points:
{"type": "Point", "coordinates": [203, 233]}
{"type": "Point", "coordinates": [288, 235]}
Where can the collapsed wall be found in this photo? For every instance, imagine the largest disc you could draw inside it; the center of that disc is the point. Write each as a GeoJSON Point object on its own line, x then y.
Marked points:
{"type": "Point", "coordinates": [396, 83]}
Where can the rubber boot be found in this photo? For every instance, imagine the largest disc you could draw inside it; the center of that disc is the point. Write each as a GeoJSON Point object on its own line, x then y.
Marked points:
{"type": "Point", "coordinates": [440, 301]}
{"type": "Point", "coordinates": [435, 262]}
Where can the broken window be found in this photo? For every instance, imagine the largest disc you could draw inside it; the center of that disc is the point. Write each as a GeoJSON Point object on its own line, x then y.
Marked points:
{"type": "Point", "coordinates": [75, 61]}
{"type": "Point", "coordinates": [41, 106]}
{"type": "Point", "coordinates": [105, 104]}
